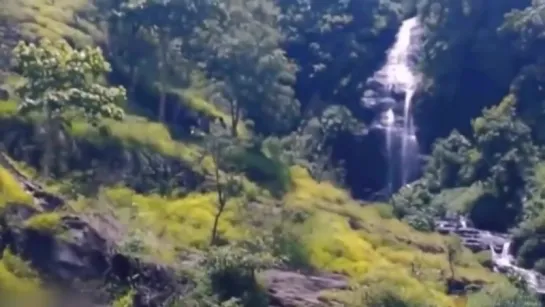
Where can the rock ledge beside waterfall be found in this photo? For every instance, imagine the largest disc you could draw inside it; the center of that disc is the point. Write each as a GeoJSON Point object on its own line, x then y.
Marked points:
{"type": "Point", "coordinates": [499, 245]}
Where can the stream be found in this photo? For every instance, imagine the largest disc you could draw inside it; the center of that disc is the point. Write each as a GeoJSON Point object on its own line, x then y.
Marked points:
{"type": "Point", "coordinates": [499, 245]}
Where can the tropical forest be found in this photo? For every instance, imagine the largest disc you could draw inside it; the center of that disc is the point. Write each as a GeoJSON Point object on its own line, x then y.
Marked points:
{"type": "Point", "coordinates": [286, 153]}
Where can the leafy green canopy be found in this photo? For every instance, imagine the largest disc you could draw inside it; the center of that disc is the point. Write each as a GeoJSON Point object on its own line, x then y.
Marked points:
{"type": "Point", "coordinates": [61, 80]}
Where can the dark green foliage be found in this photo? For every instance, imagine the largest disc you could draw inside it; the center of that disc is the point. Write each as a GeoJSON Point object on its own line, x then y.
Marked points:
{"type": "Point", "coordinates": [529, 239]}
{"type": "Point", "coordinates": [451, 161]}
{"type": "Point", "coordinates": [338, 45]}
{"type": "Point", "coordinates": [232, 271]}
{"type": "Point", "coordinates": [62, 84]}
{"type": "Point", "coordinates": [384, 295]}
{"type": "Point", "coordinates": [312, 144]}
{"type": "Point", "coordinates": [503, 296]}
{"type": "Point", "coordinates": [246, 40]}
{"type": "Point", "coordinates": [289, 246]}
{"type": "Point", "coordinates": [460, 60]}
{"type": "Point", "coordinates": [487, 174]}
{"type": "Point", "coordinates": [269, 172]}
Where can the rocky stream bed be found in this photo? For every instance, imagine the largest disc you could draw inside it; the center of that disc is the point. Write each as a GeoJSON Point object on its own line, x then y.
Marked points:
{"type": "Point", "coordinates": [499, 245]}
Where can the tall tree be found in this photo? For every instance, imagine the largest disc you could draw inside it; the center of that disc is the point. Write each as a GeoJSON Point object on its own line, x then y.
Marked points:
{"type": "Point", "coordinates": [221, 146]}
{"type": "Point", "coordinates": [170, 25]}
{"type": "Point", "coordinates": [62, 83]}
{"type": "Point", "coordinates": [254, 76]}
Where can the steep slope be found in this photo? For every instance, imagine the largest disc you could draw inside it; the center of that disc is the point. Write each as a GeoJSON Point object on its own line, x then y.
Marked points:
{"type": "Point", "coordinates": [333, 233]}
{"type": "Point", "coordinates": [134, 222]}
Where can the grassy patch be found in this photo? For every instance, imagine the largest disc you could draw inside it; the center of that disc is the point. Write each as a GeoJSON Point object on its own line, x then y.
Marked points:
{"type": "Point", "coordinates": [53, 19]}
{"type": "Point", "coordinates": [337, 233]}
{"type": "Point", "coordinates": [48, 222]}
{"type": "Point", "coordinates": [11, 191]}
{"type": "Point", "coordinates": [18, 284]}
{"type": "Point", "coordinates": [193, 100]}
{"type": "Point", "coordinates": [137, 131]}
{"type": "Point", "coordinates": [8, 108]}
{"type": "Point", "coordinates": [160, 227]}
{"type": "Point", "coordinates": [367, 244]}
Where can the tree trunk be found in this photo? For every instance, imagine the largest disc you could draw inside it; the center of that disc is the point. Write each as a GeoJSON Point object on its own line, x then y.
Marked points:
{"type": "Point", "coordinates": [48, 144]}
{"type": "Point", "coordinates": [214, 238]}
{"type": "Point", "coordinates": [221, 205]}
{"type": "Point", "coordinates": [134, 79]}
{"type": "Point", "coordinates": [162, 79]}
{"type": "Point", "coordinates": [162, 96]}
{"type": "Point", "coordinates": [235, 118]}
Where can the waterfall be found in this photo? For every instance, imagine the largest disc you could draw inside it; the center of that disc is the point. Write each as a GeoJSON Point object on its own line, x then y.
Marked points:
{"type": "Point", "coordinates": [505, 250]}
{"type": "Point", "coordinates": [463, 222]}
{"type": "Point", "coordinates": [506, 262]}
{"type": "Point", "coordinates": [391, 91]}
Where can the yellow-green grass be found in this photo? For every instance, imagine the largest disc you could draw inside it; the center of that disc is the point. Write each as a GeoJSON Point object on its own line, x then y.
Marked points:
{"type": "Point", "coordinates": [8, 108]}
{"type": "Point", "coordinates": [18, 283]}
{"type": "Point", "coordinates": [138, 131]}
{"type": "Point", "coordinates": [133, 131]}
{"type": "Point", "coordinates": [11, 192]}
{"type": "Point", "coordinates": [47, 222]}
{"type": "Point", "coordinates": [53, 19]}
{"type": "Point", "coordinates": [371, 236]}
{"type": "Point", "coordinates": [193, 100]}
{"type": "Point", "coordinates": [339, 234]}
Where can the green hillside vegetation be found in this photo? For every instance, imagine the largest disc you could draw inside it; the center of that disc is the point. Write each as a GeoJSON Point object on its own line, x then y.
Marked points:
{"type": "Point", "coordinates": [216, 130]}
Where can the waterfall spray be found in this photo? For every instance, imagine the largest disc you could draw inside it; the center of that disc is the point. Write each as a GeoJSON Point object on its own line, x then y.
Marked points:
{"type": "Point", "coordinates": [393, 87]}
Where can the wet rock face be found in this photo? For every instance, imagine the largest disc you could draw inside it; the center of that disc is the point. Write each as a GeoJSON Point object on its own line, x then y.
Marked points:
{"type": "Point", "coordinates": [290, 289]}
{"type": "Point", "coordinates": [475, 239]}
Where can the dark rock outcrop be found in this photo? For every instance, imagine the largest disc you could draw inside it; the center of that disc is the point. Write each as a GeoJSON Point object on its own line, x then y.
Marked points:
{"type": "Point", "coordinates": [79, 252]}
{"type": "Point", "coordinates": [4, 94]}
{"type": "Point", "coordinates": [290, 289]}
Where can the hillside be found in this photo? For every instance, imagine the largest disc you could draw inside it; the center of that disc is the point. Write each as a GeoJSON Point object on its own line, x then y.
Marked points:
{"type": "Point", "coordinates": [228, 153]}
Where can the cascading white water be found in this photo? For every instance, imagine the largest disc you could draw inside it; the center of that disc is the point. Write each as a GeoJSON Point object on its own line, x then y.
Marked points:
{"type": "Point", "coordinates": [463, 222]}
{"type": "Point", "coordinates": [506, 261]}
{"type": "Point", "coordinates": [394, 83]}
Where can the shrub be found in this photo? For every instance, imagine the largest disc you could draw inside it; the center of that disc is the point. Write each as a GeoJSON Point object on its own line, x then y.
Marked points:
{"type": "Point", "coordinates": [420, 222]}
{"type": "Point", "coordinates": [49, 222]}
{"type": "Point", "coordinates": [290, 246]}
{"type": "Point", "coordinates": [124, 300]}
{"type": "Point", "coordinates": [232, 272]}
{"type": "Point", "coordinates": [383, 295]}
{"type": "Point", "coordinates": [503, 295]}
{"type": "Point", "coordinates": [18, 287]}
{"type": "Point", "coordinates": [11, 191]}
{"type": "Point", "coordinates": [17, 266]}
{"type": "Point", "coordinates": [540, 266]}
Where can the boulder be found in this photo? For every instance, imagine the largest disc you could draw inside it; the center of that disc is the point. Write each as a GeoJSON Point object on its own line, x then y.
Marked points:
{"type": "Point", "coordinates": [291, 289]}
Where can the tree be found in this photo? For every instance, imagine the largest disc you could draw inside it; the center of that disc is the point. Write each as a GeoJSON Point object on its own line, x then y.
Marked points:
{"type": "Point", "coordinates": [172, 26]}
{"type": "Point", "coordinates": [254, 78]}
{"type": "Point", "coordinates": [454, 250]}
{"type": "Point", "coordinates": [337, 45]}
{"type": "Point", "coordinates": [63, 83]}
{"type": "Point", "coordinates": [221, 147]}
{"type": "Point", "coordinates": [311, 145]}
